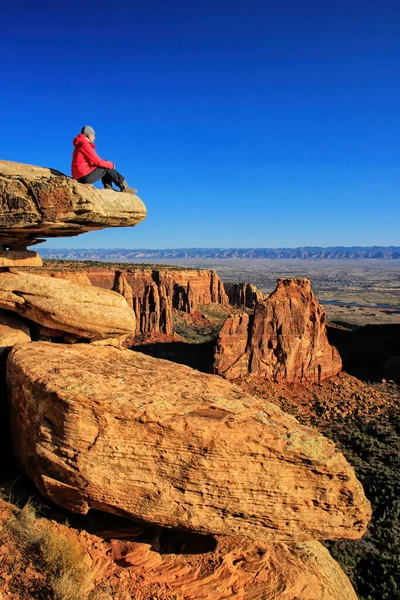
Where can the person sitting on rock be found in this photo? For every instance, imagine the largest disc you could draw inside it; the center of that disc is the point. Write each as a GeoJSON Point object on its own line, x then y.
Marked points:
{"type": "Point", "coordinates": [88, 167]}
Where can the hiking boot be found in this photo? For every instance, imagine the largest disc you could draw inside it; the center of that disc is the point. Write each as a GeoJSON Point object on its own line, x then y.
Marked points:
{"type": "Point", "coordinates": [126, 189]}
{"type": "Point", "coordinates": [108, 186]}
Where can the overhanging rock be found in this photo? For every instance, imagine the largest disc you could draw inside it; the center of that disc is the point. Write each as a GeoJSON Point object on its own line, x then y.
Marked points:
{"type": "Point", "coordinates": [37, 203]}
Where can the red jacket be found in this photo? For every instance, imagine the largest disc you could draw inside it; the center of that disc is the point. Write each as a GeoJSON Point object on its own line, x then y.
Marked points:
{"type": "Point", "coordinates": [85, 159]}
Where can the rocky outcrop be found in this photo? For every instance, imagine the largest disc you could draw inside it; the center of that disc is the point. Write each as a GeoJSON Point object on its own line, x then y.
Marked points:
{"type": "Point", "coordinates": [187, 288]}
{"type": "Point", "coordinates": [71, 276]}
{"type": "Point", "coordinates": [149, 301]}
{"type": "Point", "coordinates": [242, 295]}
{"type": "Point", "coordinates": [285, 340]}
{"type": "Point", "coordinates": [12, 331]}
{"type": "Point", "coordinates": [134, 569]}
{"type": "Point", "coordinates": [236, 569]}
{"type": "Point", "coordinates": [153, 293]}
{"type": "Point", "coordinates": [63, 307]}
{"type": "Point", "coordinates": [23, 258]}
{"type": "Point", "coordinates": [129, 434]}
{"type": "Point", "coordinates": [38, 202]}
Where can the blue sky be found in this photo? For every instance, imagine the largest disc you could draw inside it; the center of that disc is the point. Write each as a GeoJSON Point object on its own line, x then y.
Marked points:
{"type": "Point", "coordinates": [249, 124]}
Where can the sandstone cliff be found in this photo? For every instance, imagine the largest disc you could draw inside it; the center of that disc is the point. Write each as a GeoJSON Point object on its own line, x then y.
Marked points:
{"type": "Point", "coordinates": [285, 340]}
{"type": "Point", "coordinates": [149, 300]}
{"type": "Point", "coordinates": [126, 433]}
{"type": "Point", "coordinates": [39, 202]}
{"type": "Point", "coordinates": [242, 295]}
{"type": "Point", "coordinates": [153, 293]}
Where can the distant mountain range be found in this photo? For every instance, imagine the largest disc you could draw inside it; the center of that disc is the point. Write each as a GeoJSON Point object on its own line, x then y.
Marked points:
{"type": "Point", "coordinates": [304, 253]}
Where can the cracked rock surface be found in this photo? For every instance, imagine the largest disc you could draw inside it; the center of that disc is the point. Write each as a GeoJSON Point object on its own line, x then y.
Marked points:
{"type": "Point", "coordinates": [37, 202]}
{"type": "Point", "coordinates": [126, 433]}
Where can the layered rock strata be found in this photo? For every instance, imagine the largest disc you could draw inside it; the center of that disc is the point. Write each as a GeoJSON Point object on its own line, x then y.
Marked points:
{"type": "Point", "coordinates": [242, 295]}
{"type": "Point", "coordinates": [302, 571]}
{"type": "Point", "coordinates": [134, 569]}
{"type": "Point", "coordinates": [153, 293]}
{"type": "Point", "coordinates": [149, 300]}
{"type": "Point", "coordinates": [13, 330]}
{"type": "Point", "coordinates": [61, 307]}
{"type": "Point", "coordinates": [285, 340]}
{"type": "Point", "coordinates": [39, 203]}
{"type": "Point", "coordinates": [141, 437]}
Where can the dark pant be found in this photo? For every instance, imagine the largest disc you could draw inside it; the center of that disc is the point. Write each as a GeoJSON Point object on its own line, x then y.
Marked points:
{"type": "Point", "coordinates": [107, 176]}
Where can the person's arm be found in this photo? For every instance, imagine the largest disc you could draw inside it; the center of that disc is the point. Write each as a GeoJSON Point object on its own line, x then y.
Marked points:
{"type": "Point", "coordinates": [94, 158]}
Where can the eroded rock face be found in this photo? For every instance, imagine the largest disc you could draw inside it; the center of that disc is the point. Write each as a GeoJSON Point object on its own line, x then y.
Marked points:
{"type": "Point", "coordinates": [285, 340]}
{"type": "Point", "coordinates": [65, 307]}
{"type": "Point", "coordinates": [37, 202]}
{"type": "Point", "coordinates": [193, 287]}
{"type": "Point", "coordinates": [129, 434]}
{"type": "Point", "coordinates": [153, 293]}
{"type": "Point", "coordinates": [131, 569]}
{"type": "Point", "coordinates": [242, 295]}
{"type": "Point", "coordinates": [22, 258]}
{"type": "Point", "coordinates": [303, 571]}
{"type": "Point", "coordinates": [12, 331]}
{"type": "Point", "coordinates": [149, 300]}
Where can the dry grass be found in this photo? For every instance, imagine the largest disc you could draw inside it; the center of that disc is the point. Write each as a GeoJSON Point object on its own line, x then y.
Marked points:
{"type": "Point", "coordinates": [59, 557]}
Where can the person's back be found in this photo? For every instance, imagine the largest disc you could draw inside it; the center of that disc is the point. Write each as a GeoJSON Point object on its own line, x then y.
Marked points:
{"type": "Point", "coordinates": [88, 167]}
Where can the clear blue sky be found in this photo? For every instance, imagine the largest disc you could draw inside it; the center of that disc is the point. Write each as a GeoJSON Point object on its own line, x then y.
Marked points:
{"type": "Point", "coordinates": [250, 124]}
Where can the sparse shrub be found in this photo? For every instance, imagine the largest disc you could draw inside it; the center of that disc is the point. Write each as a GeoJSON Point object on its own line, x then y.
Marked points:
{"type": "Point", "coordinates": [60, 558]}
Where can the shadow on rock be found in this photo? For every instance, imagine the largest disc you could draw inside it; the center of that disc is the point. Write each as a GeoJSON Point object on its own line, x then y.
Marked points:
{"type": "Point", "coordinates": [370, 353]}
{"type": "Point", "coordinates": [120, 529]}
{"type": "Point", "coordinates": [197, 356]}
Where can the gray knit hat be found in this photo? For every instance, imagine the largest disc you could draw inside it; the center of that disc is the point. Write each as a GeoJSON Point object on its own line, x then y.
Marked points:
{"type": "Point", "coordinates": [87, 130]}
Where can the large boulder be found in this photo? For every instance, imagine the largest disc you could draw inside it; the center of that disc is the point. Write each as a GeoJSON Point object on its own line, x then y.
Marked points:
{"type": "Point", "coordinates": [146, 438]}
{"type": "Point", "coordinates": [13, 330]}
{"type": "Point", "coordinates": [285, 340]}
{"type": "Point", "coordinates": [83, 311]}
{"type": "Point", "coordinates": [36, 202]}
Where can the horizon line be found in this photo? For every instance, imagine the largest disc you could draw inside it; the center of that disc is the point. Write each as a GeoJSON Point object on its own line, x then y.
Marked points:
{"type": "Point", "coordinates": [224, 248]}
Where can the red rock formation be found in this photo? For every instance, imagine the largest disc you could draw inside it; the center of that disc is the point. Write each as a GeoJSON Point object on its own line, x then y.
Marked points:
{"type": "Point", "coordinates": [153, 293]}
{"type": "Point", "coordinates": [148, 299]}
{"type": "Point", "coordinates": [39, 202]}
{"type": "Point", "coordinates": [138, 570]}
{"type": "Point", "coordinates": [13, 330]}
{"type": "Point", "coordinates": [242, 295]}
{"type": "Point", "coordinates": [189, 288]}
{"type": "Point", "coordinates": [285, 340]}
{"type": "Point", "coordinates": [130, 434]}
{"type": "Point", "coordinates": [78, 277]}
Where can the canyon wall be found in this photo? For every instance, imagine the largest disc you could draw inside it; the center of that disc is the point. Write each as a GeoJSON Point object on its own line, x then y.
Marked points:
{"type": "Point", "coordinates": [153, 293]}
{"type": "Point", "coordinates": [242, 295]}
